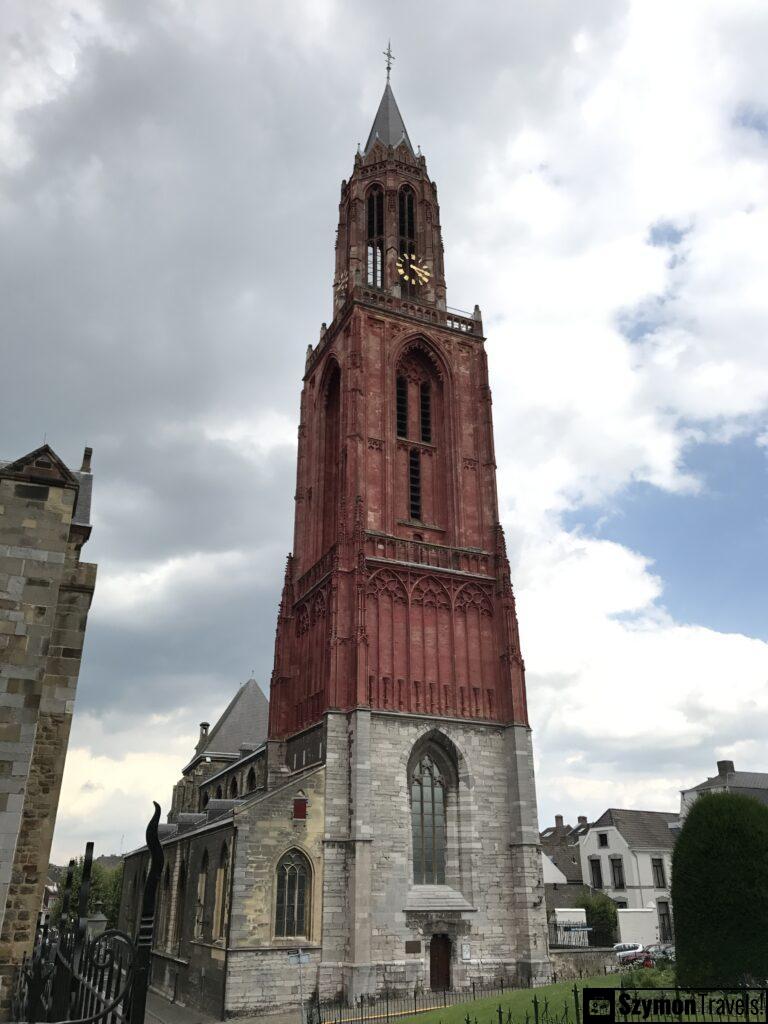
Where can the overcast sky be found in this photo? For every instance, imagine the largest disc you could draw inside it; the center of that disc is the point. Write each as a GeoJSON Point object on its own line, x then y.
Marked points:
{"type": "Point", "coordinates": [170, 180]}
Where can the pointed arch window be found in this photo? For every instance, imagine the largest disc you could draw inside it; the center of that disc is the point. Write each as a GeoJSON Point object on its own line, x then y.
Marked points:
{"type": "Point", "coordinates": [428, 822]}
{"type": "Point", "coordinates": [407, 230]}
{"type": "Point", "coordinates": [202, 882]}
{"type": "Point", "coordinates": [292, 906]}
{"type": "Point", "coordinates": [251, 780]}
{"type": "Point", "coordinates": [222, 894]}
{"type": "Point", "coordinates": [233, 789]}
{"type": "Point", "coordinates": [375, 237]}
{"type": "Point", "coordinates": [165, 908]}
{"type": "Point", "coordinates": [181, 892]}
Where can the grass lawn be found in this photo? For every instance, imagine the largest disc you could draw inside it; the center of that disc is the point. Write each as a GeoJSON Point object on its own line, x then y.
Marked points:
{"type": "Point", "coordinates": [519, 1001]}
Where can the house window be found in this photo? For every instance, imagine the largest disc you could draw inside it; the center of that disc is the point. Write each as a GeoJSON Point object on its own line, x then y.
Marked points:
{"type": "Point", "coordinates": [428, 822]}
{"type": "Point", "coordinates": [665, 922]}
{"type": "Point", "coordinates": [602, 839]}
{"type": "Point", "coordinates": [425, 396]}
{"type": "Point", "coordinates": [617, 873]}
{"type": "Point", "coordinates": [659, 877]}
{"type": "Point", "coordinates": [414, 483]}
{"type": "Point", "coordinates": [402, 407]}
{"type": "Point", "coordinates": [202, 881]}
{"type": "Point", "coordinates": [300, 808]}
{"type": "Point", "coordinates": [293, 895]}
{"type": "Point", "coordinates": [375, 243]}
{"type": "Point", "coordinates": [597, 872]}
{"type": "Point", "coordinates": [222, 894]}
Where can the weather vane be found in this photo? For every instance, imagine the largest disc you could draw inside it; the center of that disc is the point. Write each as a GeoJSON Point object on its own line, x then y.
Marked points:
{"type": "Point", "coordinates": [388, 54]}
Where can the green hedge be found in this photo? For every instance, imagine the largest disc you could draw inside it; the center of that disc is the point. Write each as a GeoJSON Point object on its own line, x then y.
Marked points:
{"type": "Point", "coordinates": [720, 892]}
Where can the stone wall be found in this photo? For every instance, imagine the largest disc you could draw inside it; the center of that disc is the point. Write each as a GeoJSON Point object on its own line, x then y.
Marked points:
{"type": "Point", "coordinates": [45, 595]}
{"type": "Point", "coordinates": [493, 910]}
{"type": "Point", "coordinates": [569, 964]}
{"type": "Point", "coordinates": [259, 975]}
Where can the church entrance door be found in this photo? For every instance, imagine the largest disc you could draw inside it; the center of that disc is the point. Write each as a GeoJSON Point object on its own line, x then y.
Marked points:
{"type": "Point", "coordinates": [440, 963]}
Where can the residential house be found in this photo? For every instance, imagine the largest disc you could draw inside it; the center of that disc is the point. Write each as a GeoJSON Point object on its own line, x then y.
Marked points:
{"type": "Point", "coordinates": [628, 855]}
{"type": "Point", "coordinates": [727, 780]}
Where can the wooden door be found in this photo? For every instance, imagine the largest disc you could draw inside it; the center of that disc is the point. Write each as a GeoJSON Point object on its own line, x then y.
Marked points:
{"type": "Point", "coordinates": [440, 963]}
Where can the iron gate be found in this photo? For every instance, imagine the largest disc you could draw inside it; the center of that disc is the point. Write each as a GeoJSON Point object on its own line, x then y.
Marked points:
{"type": "Point", "coordinates": [71, 978]}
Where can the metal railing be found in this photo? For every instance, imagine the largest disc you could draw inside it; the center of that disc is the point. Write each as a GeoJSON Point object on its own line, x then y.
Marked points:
{"type": "Point", "coordinates": [75, 978]}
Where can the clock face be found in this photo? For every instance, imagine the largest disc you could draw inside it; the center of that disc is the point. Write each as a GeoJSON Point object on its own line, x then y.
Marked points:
{"type": "Point", "coordinates": [413, 269]}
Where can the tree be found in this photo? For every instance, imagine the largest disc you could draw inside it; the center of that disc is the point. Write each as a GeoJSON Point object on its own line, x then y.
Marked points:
{"type": "Point", "coordinates": [601, 914]}
{"type": "Point", "coordinates": [720, 892]}
{"type": "Point", "coordinates": [105, 889]}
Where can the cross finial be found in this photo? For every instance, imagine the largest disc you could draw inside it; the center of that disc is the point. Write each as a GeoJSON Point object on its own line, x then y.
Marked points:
{"type": "Point", "coordinates": [388, 54]}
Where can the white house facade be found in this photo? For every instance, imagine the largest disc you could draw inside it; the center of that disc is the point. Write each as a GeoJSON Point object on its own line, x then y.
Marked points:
{"type": "Point", "coordinates": [628, 856]}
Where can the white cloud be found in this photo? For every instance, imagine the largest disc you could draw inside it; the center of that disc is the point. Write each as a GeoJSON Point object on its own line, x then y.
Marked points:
{"type": "Point", "coordinates": [559, 142]}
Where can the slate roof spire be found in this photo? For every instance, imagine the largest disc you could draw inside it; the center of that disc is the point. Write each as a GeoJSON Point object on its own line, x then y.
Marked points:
{"type": "Point", "coordinates": [388, 125]}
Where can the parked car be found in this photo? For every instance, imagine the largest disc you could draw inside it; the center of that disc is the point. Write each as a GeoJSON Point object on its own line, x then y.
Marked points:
{"type": "Point", "coordinates": [627, 952]}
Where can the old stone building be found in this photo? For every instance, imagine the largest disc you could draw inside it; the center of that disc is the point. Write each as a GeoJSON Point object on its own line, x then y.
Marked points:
{"type": "Point", "coordinates": [387, 822]}
{"type": "Point", "coordinates": [45, 595]}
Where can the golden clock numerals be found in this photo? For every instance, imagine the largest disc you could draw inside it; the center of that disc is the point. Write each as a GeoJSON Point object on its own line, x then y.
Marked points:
{"type": "Point", "coordinates": [412, 269]}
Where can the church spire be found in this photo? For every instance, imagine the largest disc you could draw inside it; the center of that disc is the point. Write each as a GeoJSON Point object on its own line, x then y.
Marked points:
{"type": "Point", "coordinates": [388, 125]}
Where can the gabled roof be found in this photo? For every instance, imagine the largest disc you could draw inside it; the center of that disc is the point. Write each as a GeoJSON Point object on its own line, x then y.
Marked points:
{"type": "Point", "coordinates": [643, 829]}
{"type": "Point", "coordinates": [244, 723]}
{"type": "Point", "coordinates": [43, 466]}
{"type": "Point", "coordinates": [388, 125]}
{"type": "Point", "coordinates": [734, 781]}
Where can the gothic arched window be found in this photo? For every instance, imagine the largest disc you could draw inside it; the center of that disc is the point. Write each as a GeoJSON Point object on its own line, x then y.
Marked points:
{"type": "Point", "coordinates": [375, 237]}
{"type": "Point", "coordinates": [233, 789]}
{"type": "Point", "coordinates": [414, 483]}
{"type": "Point", "coordinates": [293, 895]}
{"type": "Point", "coordinates": [202, 881]}
{"type": "Point", "coordinates": [219, 793]}
{"type": "Point", "coordinates": [181, 892]}
{"type": "Point", "coordinates": [251, 780]}
{"type": "Point", "coordinates": [165, 909]}
{"type": "Point", "coordinates": [222, 894]}
{"type": "Point", "coordinates": [407, 228]}
{"type": "Point", "coordinates": [428, 822]}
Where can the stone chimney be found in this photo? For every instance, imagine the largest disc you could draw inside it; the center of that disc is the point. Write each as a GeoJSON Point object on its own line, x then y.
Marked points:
{"type": "Point", "coordinates": [204, 726]}
{"type": "Point", "coordinates": [558, 821]}
{"type": "Point", "coordinates": [87, 455]}
{"type": "Point", "coordinates": [582, 819]}
{"type": "Point", "coordinates": [725, 768]}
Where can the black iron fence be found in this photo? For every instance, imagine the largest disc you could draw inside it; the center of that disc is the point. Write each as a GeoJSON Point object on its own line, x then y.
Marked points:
{"type": "Point", "coordinates": [73, 978]}
{"type": "Point", "coordinates": [671, 1004]}
{"type": "Point", "coordinates": [386, 1005]}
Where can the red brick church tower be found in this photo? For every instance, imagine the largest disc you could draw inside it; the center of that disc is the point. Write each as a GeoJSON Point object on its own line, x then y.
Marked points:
{"type": "Point", "coordinates": [397, 595]}
{"type": "Point", "coordinates": [397, 657]}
